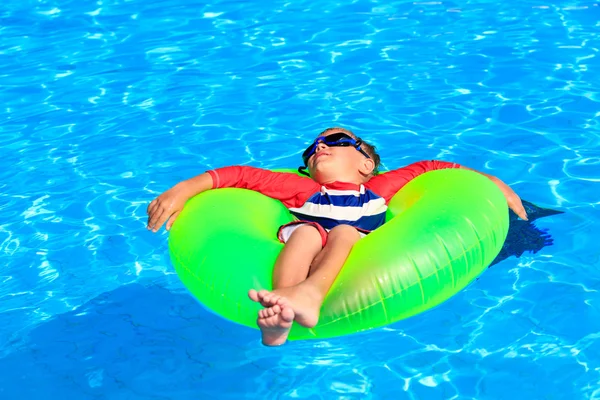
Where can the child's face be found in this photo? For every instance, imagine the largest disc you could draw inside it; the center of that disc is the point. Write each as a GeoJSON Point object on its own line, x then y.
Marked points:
{"type": "Point", "coordinates": [338, 163]}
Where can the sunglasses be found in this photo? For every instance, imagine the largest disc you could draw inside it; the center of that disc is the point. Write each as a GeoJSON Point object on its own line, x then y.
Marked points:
{"type": "Point", "coordinates": [339, 139]}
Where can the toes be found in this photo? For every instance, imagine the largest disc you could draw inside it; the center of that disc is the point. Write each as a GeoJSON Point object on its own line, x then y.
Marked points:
{"type": "Point", "coordinates": [261, 294]}
{"type": "Point", "coordinates": [271, 299]}
{"type": "Point", "coordinates": [269, 312]}
{"type": "Point", "coordinates": [253, 294]}
{"type": "Point", "coordinates": [279, 301]}
{"type": "Point", "coordinates": [267, 297]}
{"type": "Point", "coordinates": [276, 309]}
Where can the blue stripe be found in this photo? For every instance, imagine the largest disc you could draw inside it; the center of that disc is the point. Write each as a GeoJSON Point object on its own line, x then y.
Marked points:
{"type": "Point", "coordinates": [368, 223]}
{"type": "Point", "coordinates": [343, 200]}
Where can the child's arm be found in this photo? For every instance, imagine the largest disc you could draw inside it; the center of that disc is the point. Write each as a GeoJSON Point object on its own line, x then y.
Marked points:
{"type": "Point", "coordinates": [168, 205]}
{"type": "Point", "coordinates": [513, 200]}
{"type": "Point", "coordinates": [388, 184]}
{"type": "Point", "coordinates": [291, 189]}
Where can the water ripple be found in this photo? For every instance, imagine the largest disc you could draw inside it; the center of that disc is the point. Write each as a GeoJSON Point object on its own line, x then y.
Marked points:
{"type": "Point", "coordinates": [106, 104]}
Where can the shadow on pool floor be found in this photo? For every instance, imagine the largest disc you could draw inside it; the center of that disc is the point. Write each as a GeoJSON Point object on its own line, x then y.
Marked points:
{"type": "Point", "coordinates": [147, 342]}
{"type": "Point", "coordinates": [525, 236]}
{"type": "Point", "coordinates": [135, 342]}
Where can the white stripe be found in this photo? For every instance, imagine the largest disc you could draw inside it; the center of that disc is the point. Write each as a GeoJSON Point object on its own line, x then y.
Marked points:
{"type": "Point", "coordinates": [373, 207]}
{"type": "Point", "coordinates": [342, 192]}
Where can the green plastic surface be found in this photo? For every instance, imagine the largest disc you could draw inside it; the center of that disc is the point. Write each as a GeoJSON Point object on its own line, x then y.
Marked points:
{"type": "Point", "coordinates": [443, 229]}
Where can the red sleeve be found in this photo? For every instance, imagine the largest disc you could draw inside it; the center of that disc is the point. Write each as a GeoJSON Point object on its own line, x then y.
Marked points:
{"type": "Point", "coordinates": [387, 184]}
{"type": "Point", "coordinates": [291, 189]}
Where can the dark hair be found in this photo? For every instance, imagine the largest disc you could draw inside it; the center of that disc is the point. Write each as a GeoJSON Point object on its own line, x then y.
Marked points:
{"type": "Point", "coordinates": [369, 148]}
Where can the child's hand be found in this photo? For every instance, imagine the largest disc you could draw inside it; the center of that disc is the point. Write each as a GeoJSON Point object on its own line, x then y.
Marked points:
{"type": "Point", "coordinates": [515, 204]}
{"type": "Point", "coordinates": [166, 207]}
{"type": "Point", "coordinates": [514, 201]}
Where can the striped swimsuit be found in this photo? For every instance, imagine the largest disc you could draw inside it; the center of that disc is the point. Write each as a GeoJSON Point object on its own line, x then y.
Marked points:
{"type": "Point", "coordinates": [326, 206]}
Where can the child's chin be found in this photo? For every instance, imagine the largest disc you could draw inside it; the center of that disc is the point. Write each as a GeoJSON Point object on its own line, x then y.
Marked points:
{"type": "Point", "coordinates": [323, 167]}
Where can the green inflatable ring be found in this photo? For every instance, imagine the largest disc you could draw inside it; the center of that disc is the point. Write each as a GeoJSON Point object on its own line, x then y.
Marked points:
{"type": "Point", "coordinates": [443, 229]}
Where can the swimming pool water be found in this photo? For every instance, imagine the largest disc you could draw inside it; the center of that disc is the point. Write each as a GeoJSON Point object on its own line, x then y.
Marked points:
{"type": "Point", "coordinates": [106, 104]}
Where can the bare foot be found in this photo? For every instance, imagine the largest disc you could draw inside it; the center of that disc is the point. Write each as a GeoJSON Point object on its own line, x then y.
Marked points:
{"type": "Point", "coordinates": [274, 321]}
{"type": "Point", "coordinates": [303, 299]}
{"type": "Point", "coordinates": [275, 324]}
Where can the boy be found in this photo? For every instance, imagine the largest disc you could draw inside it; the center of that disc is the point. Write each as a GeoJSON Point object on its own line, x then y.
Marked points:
{"type": "Point", "coordinates": [343, 200]}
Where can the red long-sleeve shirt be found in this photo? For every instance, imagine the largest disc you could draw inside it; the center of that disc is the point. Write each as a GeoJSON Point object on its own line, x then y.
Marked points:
{"type": "Point", "coordinates": [362, 206]}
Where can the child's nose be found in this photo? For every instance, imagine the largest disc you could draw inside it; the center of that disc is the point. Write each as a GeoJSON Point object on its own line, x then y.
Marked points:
{"type": "Point", "coordinates": [321, 146]}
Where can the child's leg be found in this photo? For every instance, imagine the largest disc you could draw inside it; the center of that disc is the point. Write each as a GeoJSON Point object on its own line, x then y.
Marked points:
{"type": "Point", "coordinates": [329, 262]}
{"type": "Point", "coordinates": [293, 264]}
{"type": "Point", "coordinates": [292, 267]}
{"type": "Point", "coordinates": [303, 301]}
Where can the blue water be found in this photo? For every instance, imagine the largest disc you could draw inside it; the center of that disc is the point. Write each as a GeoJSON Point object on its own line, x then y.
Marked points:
{"type": "Point", "coordinates": [106, 104]}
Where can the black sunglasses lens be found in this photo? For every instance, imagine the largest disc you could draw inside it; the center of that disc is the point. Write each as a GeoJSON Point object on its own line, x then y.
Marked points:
{"type": "Point", "coordinates": [336, 139]}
